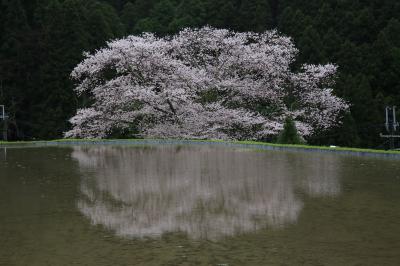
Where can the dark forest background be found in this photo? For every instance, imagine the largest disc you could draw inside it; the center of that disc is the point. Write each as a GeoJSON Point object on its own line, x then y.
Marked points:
{"type": "Point", "coordinates": [42, 40]}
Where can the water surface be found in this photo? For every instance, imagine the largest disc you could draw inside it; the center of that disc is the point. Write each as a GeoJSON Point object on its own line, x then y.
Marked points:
{"type": "Point", "coordinates": [196, 205]}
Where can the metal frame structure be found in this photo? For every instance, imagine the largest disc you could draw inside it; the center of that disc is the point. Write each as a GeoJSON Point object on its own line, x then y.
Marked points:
{"type": "Point", "coordinates": [3, 119]}
{"type": "Point", "coordinates": [391, 126]}
{"type": "Point", "coordinates": [2, 114]}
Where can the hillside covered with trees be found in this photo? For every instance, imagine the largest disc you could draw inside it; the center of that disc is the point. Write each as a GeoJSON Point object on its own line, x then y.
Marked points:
{"type": "Point", "coordinates": [41, 41]}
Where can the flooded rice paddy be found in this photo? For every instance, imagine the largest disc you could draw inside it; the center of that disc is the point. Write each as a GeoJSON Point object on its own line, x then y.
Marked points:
{"type": "Point", "coordinates": [196, 205]}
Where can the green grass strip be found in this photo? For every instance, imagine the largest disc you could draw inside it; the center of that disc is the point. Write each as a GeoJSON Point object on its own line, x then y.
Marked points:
{"type": "Point", "coordinates": [249, 143]}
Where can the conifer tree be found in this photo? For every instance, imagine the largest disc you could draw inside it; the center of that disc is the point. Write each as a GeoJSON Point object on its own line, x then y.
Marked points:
{"type": "Point", "coordinates": [289, 134]}
{"type": "Point", "coordinates": [222, 13]}
{"type": "Point", "coordinates": [309, 45]}
{"type": "Point", "coordinates": [161, 16]}
{"type": "Point", "coordinates": [190, 13]}
{"type": "Point", "coordinates": [255, 15]}
{"type": "Point", "coordinates": [15, 65]}
{"type": "Point", "coordinates": [129, 16]}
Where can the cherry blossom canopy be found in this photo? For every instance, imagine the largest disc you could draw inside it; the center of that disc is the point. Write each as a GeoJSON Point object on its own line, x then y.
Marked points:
{"type": "Point", "coordinates": [203, 83]}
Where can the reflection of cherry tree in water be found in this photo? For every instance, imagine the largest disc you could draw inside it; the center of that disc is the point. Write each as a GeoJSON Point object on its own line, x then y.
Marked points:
{"type": "Point", "coordinates": [320, 175]}
{"type": "Point", "coordinates": [206, 192]}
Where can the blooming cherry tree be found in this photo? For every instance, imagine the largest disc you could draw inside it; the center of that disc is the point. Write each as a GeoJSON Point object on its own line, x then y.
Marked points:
{"type": "Point", "coordinates": [203, 83]}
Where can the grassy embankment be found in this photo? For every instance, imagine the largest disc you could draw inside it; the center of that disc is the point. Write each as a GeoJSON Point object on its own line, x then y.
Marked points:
{"type": "Point", "coordinates": [250, 143]}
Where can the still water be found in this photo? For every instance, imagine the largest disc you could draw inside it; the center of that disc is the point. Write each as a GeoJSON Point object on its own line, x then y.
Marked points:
{"type": "Point", "coordinates": [196, 205]}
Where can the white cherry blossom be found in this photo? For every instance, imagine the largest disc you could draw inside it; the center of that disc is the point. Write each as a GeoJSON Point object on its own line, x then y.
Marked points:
{"type": "Point", "coordinates": [203, 83]}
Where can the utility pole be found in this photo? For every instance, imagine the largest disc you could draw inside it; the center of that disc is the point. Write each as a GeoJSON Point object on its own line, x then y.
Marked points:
{"type": "Point", "coordinates": [391, 125]}
{"type": "Point", "coordinates": [3, 120]}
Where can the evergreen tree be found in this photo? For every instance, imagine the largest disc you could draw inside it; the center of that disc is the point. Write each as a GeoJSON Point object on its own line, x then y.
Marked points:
{"type": "Point", "coordinates": [330, 42]}
{"type": "Point", "coordinates": [309, 45]}
{"type": "Point", "coordinates": [53, 99]}
{"type": "Point", "coordinates": [293, 22]}
{"type": "Point", "coordinates": [190, 13]}
{"type": "Point", "coordinates": [161, 16]}
{"type": "Point", "coordinates": [254, 15]}
{"type": "Point", "coordinates": [363, 28]}
{"type": "Point", "coordinates": [15, 66]}
{"type": "Point", "coordinates": [103, 23]}
{"type": "Point", "coordinates": [325, 18]}
{"type": "Point", "coordinates": [347, 134]}
{"type": "Point", "coordinates": [289, 134]}
{"type": "Point", "coordinates": [387, 47]}
{"type": "Point", "coordinates": [129, 16]}
{"type": "Point", "coordinates": [134, 12]}
{"type": "Point", "coordinates": [221, 13]}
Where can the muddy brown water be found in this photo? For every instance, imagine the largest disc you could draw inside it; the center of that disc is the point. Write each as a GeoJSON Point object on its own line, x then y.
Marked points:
{"type": "Point", "coordinates": [196, 205]}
